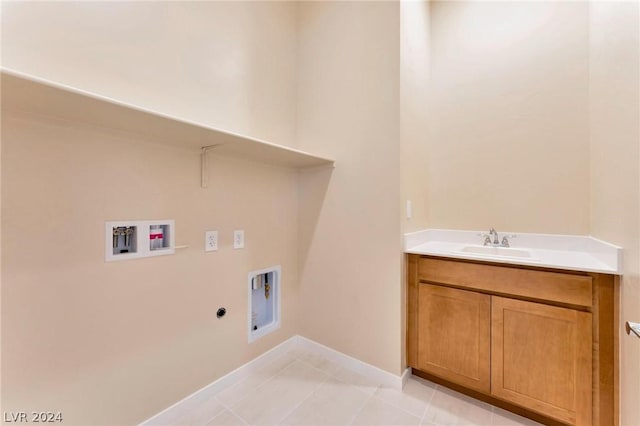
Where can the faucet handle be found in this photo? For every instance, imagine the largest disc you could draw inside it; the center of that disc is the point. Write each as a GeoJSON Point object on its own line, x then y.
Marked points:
{"type": "Point", "coordinates": [505, 240]}
{"type": "Point", "coordinates": [487, 238]}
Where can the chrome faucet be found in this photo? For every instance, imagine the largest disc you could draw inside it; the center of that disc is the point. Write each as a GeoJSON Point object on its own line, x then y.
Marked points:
{"type": "Point", "coordinates": [495, 242]}
{"type": "Point", "coordinates": [493, 232]}
{"type": "Point", "coordinates": [487, 238]}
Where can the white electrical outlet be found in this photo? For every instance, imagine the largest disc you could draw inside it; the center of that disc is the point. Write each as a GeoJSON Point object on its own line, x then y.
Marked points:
{"type": "Point", "coordinates": [238, 239]}
{"type": "Point", "coordinates": [211, 240]}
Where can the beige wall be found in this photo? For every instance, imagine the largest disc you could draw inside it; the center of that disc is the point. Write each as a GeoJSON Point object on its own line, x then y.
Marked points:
{"type": "Point", "coordinates": [615, 166]}
{"type": "Point", "coordinates": [348, 94]}
{"type": "Point", "coordinates": [414, 122]}
{"type": "Point", "coordinates": [114, 343]}
{"type": "Point", "coordinates": [414, 125]}
{"type": "Point", "coordinates": [228, 64]}
{"type": "Point", "coordinates": [507, 106]}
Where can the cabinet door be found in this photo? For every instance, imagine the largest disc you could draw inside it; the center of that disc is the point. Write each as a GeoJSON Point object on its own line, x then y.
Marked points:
{"type": "Point", "coordinates": [454, 335]}
{"type": "Point", "coordinates": [541, 358]}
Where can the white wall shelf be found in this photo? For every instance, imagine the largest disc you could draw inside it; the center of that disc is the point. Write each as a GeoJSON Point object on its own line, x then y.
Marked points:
{"type": "Point", "coordinates": [33, 95]}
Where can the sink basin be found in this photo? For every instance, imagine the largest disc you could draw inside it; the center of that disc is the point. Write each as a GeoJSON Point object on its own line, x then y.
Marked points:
{"type": "Point", "coordinates": [496, 251]}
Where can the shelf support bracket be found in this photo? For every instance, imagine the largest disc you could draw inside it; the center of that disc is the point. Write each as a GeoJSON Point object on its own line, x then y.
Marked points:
{"type": "Point", "coordinates": [203, 164]}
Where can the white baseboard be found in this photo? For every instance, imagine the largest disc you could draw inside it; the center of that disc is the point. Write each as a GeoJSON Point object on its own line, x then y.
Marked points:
{"type": "Point", "coordinates": [172, 413]}
{"type": "Point", "coordinates": [405, 376]}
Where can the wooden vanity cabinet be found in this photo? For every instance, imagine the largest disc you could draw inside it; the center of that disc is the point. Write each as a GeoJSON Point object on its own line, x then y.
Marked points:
{"type": "Point", "coordinates": [455, 335]}
{"type": "Point", "coordinates": [538, 342]}
{"type": "Point", "coordinates": [541, 358]}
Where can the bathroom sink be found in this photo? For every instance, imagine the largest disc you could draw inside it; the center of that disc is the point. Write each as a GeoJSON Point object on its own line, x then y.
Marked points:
{"type": "Point", "coordinates": [496, 251]}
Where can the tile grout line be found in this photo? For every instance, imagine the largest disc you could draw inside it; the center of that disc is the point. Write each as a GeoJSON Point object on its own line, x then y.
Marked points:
{"type": "Point", "coordinates": [395, 406]}
{"type": "Point", "coordinates": [359, 410]}
{"type": "Point", "coordinates": [278, 372]}
{"type": "Point", "coordinates": [257, 387]}
{"type": "Point", "coordinates": [242, 419]}
{"type": "Point", "coordinates": [316, 368]}
{"type": "Point", "coordinates": [424, 413]}
{"type": "Point", "coordinates": [337, 377]}
{"type": "Point", "coordinates": [231, 412]}
{"type": "Point", "coordinates": [288, 413]}
{"type": "Point", "coordinates": [403, 409]}
{"type": "Point", "coordinates": [334, 374]}
{"type": "Point", "coordinates": [262, 383]}
{"type": "Point", "coordinates": [328, 376]}
{"type": "Point", "coordinates": [228, 408]}
{"type": "Point", "coordinates": [206, 422]}
{"type": "Point", "coordinates": [371, 395]}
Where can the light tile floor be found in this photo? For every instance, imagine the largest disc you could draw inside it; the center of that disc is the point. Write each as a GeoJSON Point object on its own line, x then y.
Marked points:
{"type": "Point", "coordinates": [302, 388]}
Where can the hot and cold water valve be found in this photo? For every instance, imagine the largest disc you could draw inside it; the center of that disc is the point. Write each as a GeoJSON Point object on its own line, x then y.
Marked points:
{"type": "Point", "coordinates": [124, 239]}
{"type": "Point", "coordinates": [264, 302]}
{"type": "Point", "coordinates": [135, 239]}
{"type": "Point", "coordinates": [156, 237]}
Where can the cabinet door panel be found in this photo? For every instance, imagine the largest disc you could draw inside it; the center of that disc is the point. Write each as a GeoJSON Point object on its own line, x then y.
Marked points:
{"type": "Point", "coordinates": [454, 335]}
{"type": "Point", "coordinates": [541, 358]}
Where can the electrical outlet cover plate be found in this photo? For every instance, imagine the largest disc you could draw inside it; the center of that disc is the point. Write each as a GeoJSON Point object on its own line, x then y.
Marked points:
{"type": "Point", "coordinates": [238, 239]}
{"type": "Point", "coordinates": [211, 240]}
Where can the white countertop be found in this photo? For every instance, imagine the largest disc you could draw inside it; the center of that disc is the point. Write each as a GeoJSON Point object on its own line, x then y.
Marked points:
{"type": "Point", "coordinates": [569, 252]}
